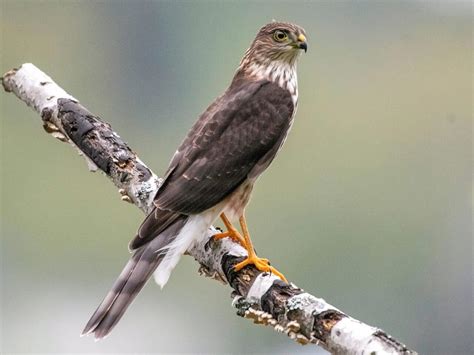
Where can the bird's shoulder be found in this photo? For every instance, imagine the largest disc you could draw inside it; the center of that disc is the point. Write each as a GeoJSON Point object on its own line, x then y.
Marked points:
{"type": "Point", "coordinates": [223, 146]}
{"type": "Point", "coordinates": [244, 100]}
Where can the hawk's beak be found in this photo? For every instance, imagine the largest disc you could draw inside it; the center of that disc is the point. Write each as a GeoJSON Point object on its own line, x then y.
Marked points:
{"type": "Point", "coordinates": [302, 42]}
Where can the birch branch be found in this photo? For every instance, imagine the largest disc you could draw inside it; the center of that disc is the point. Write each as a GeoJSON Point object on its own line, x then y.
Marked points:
{"type": "Point", "coordinates": [261, 297]}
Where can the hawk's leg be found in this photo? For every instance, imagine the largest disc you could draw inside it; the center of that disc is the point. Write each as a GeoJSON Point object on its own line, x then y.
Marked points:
{"type": "Point", "coordinates": [252, 258]}
{"type": "Point", "coordinates": [232, 232]}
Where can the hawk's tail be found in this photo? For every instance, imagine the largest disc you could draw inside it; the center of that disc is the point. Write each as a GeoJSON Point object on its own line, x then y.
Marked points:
{"type": "Point", "coordinates": [137, 271]}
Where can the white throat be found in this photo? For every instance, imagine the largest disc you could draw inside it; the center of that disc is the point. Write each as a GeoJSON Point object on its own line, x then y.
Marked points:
{"type": "Point", "coordinates": [279, 72]}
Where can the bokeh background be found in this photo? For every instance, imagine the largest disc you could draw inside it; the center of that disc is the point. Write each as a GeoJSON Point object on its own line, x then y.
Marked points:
{"type": "Point", "coordinates": [368, 205]}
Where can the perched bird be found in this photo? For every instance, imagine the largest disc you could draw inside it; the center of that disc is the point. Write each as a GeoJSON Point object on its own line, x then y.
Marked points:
{"type": "Point", "coordinates": [214, 169]}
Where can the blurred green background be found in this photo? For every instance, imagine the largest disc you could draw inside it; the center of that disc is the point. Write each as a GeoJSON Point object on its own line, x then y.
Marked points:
{"type": "Point", "coordinates": [368, 205]}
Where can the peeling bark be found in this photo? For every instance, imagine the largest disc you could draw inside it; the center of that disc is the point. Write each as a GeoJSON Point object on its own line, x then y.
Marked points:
{"type": "Point", "coordinates": [261, 297]}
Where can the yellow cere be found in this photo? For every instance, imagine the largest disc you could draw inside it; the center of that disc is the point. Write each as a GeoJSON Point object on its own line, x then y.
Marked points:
{"type": "Point", "coordinates": [302, 38]}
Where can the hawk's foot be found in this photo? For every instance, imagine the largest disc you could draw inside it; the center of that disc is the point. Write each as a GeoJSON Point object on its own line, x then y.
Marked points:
{"type": "Point", "coordinates": [231, 233]}
{"type": "Point", "coordinates": [252, 258]}
{"type": "Point", "coordinates": [261, 264]}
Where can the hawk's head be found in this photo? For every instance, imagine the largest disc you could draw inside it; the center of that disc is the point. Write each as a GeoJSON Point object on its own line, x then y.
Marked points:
{"type": "Point", "coordinates": [276, 42]}
{"type": "Point", "coordinates": [272, 56]}
{"type": "Point", "coordinates": [280, 39]}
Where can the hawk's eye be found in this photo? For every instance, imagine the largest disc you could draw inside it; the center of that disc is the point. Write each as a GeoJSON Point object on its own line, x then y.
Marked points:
{"type": "Point", "coordinates": [279, 36]}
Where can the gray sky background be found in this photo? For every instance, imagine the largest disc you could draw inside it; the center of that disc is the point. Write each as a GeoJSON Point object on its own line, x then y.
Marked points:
{"type": "Point", "coordinates": [368, 205]}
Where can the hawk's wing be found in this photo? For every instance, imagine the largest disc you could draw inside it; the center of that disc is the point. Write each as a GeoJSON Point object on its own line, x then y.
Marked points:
{"type": "Point", "coordinates": [226, 143]}
{"type": "Point", "coordinates": [239, 134]}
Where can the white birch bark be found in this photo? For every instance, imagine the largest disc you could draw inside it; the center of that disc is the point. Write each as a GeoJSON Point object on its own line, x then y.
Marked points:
{"type": "Point", "coordinates": [262, 297]}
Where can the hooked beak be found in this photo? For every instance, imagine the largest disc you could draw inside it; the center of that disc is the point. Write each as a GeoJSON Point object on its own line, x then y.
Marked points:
{"type": "Point", "coordinates": [302, 44]}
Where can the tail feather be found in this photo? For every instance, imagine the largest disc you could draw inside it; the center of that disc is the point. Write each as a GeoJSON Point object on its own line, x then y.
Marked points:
{"type": "Point", "coordinates": [156, 222]}
{"type": "Point", "coordinates": [131, 280]}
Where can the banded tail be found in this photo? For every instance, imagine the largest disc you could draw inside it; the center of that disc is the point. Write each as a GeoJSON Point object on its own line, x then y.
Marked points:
{"type": "Point", "coordinates": [151, 248]}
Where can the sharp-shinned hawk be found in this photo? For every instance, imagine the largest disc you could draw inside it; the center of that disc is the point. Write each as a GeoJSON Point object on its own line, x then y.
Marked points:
{"type": "Point", "coordinates": [214, 169]}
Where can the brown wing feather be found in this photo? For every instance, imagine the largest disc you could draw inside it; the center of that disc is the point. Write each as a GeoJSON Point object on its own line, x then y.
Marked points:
{"type": "Point", "coordinates": [245, 125]}
{"type": "Point", "coordinates": [156, 222]}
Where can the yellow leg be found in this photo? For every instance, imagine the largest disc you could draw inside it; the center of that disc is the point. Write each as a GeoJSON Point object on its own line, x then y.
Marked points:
{"type": "Point", "coordinates": [252, 258]}
{"type": "Point", "coordinates": [231, 232]}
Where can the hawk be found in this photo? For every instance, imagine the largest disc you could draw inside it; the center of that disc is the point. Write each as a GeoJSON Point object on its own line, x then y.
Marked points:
{"type": "Point", "coordinates": [214, 169]}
